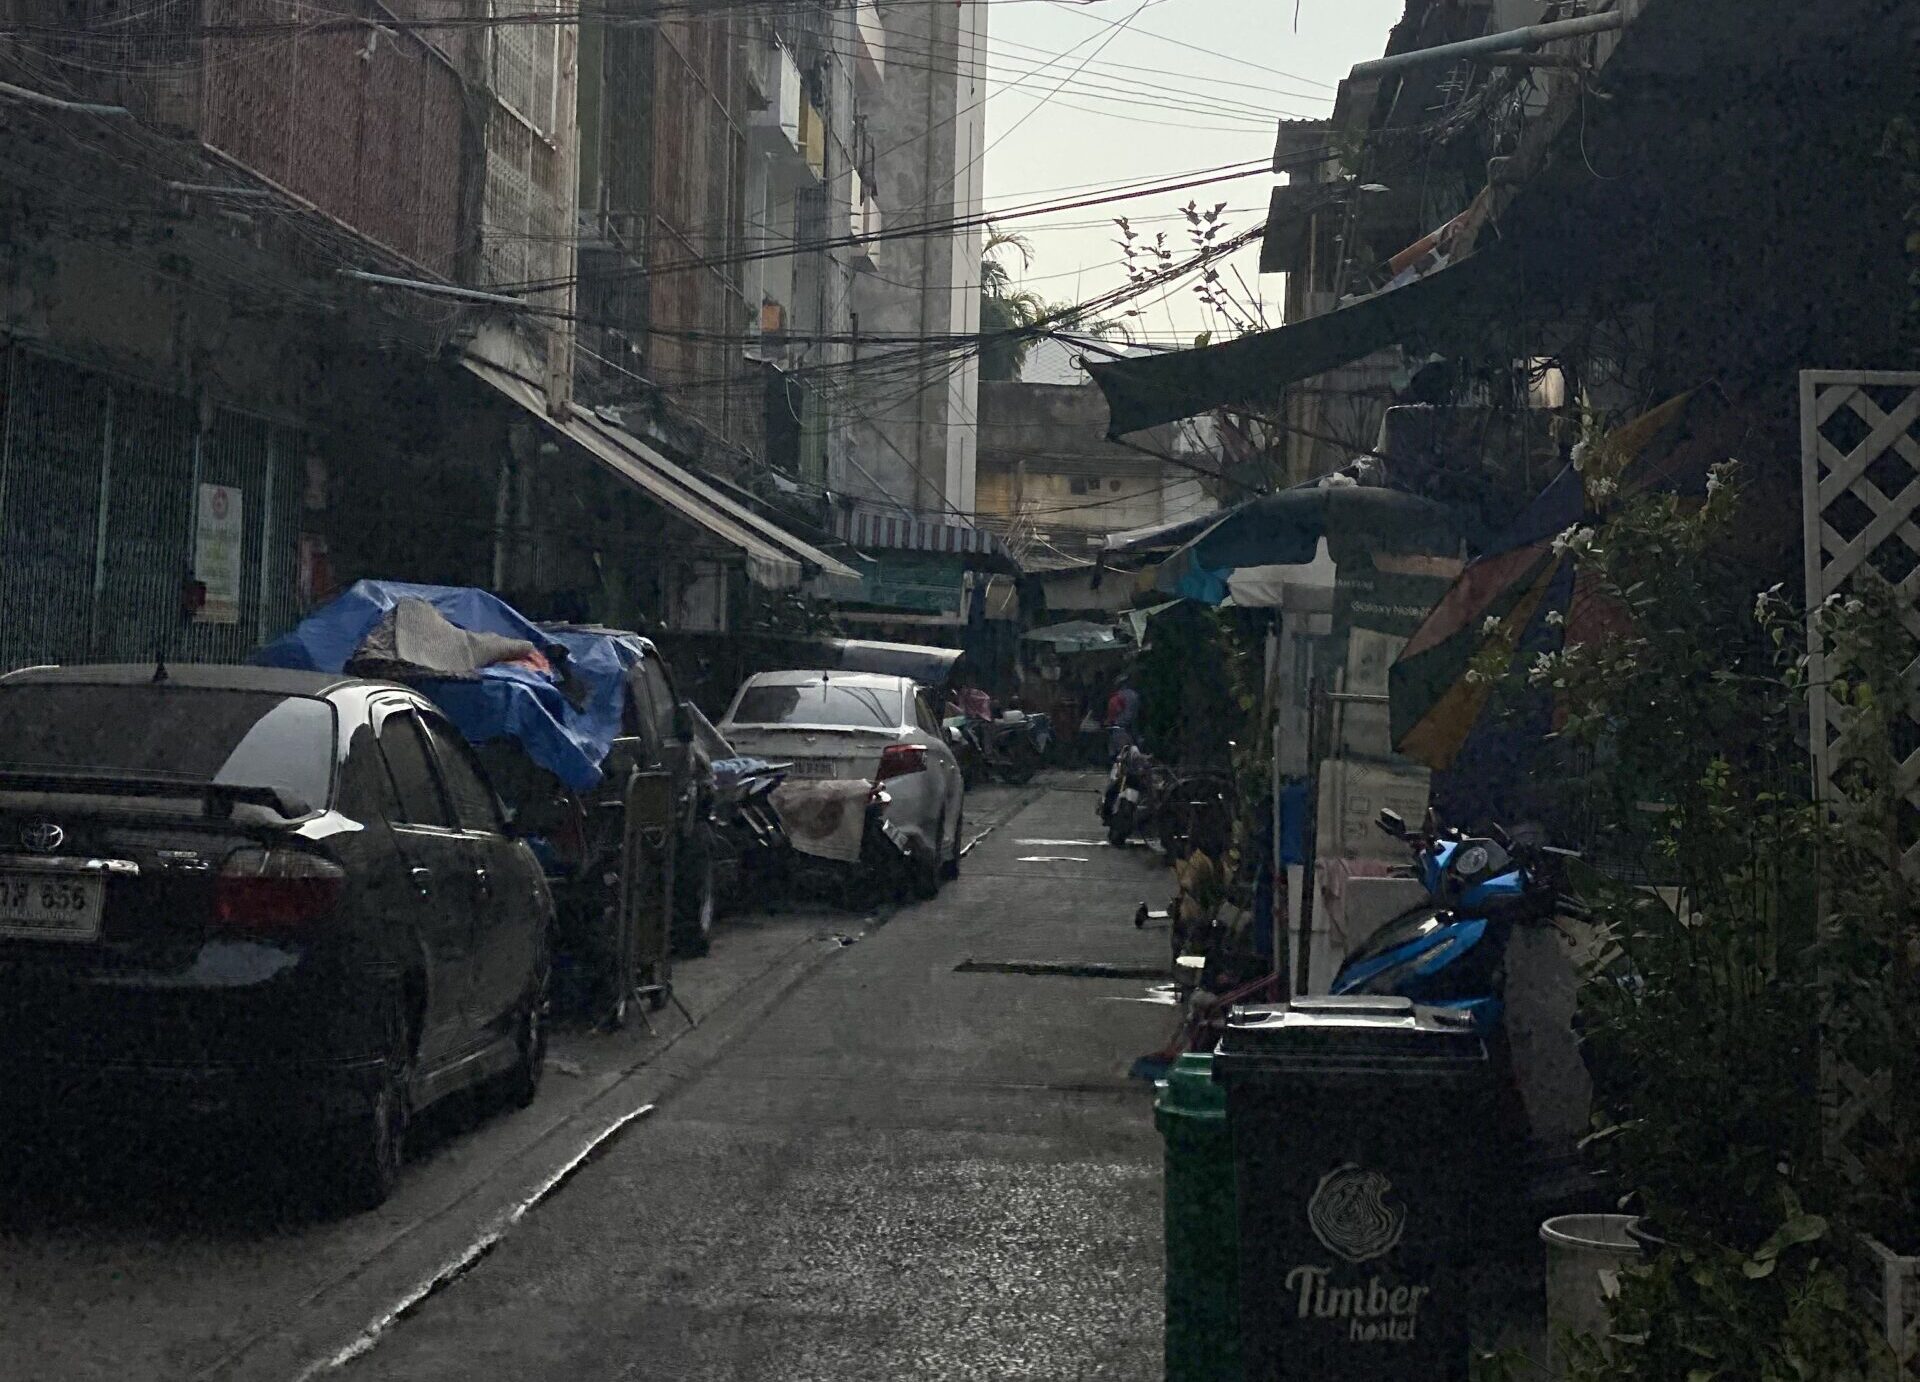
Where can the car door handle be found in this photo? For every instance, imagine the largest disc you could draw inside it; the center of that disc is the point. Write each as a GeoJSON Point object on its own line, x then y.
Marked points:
{"type": "Point", "coordinates": [422, 879]}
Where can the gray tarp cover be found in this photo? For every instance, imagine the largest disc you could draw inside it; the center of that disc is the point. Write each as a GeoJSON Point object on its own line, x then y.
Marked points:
{"type": "Point", "coordinates": [413, 640]}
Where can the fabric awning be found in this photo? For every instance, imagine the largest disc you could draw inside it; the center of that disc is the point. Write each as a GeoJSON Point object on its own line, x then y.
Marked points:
{"type": "Point", "coordinates": [1152, 390]}
{"type": "Point", "coordinates": [1076, 636]}
{"type": "Point", "coordinates": [775, 558]}
{"type": "Point", "coordinates": [866, 528]}
{"type": "Point", "coordinates": [1160, 537]}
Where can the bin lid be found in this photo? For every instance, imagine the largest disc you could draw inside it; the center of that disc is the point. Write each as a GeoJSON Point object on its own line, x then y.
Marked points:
{"type": "Point", "coordinates": [1189, 1090]}
{"type": "Point", "coordinates": [1349, 1035]}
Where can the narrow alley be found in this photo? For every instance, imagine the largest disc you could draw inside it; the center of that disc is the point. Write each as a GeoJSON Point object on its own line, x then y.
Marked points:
{"type": "Point", "coordinates": [908, 1169]}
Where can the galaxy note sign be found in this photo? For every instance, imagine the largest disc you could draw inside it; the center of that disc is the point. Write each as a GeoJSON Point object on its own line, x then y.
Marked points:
{"type": "Point", "coordinates": [1356, 1216]}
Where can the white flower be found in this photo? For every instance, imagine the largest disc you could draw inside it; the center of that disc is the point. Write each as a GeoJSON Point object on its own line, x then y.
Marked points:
{"type": "Point", "coordinates": [1541, 671]}
{"type": "Point", "coordinates": [1581, 450]}
{"type": "Point", "coordinates": [1490, 626]}
{"type": "Point", "coordinates": [1554, 619]}
{"type": "Point", "coordinates": [1855, 606]}
{"type": "Point", "coordinates": [1599, 487]}
{"type": "Point", "coordinates": [1575, 540]}
{"type": "Point", "coordinates": [1476, 677]}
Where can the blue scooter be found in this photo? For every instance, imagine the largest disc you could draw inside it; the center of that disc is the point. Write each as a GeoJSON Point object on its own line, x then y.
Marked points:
{"type": "Point", "coordinates": [1450, 950]}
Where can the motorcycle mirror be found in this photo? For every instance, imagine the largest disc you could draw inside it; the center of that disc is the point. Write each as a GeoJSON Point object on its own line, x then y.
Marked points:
{"type": "Point", "coordinates": [1392, 822]}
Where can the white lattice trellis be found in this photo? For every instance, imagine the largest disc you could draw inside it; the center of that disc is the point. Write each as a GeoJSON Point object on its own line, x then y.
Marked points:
{"type": "Point", "coordinates": [1860, 498]}
{"type": "Point", "coordinates": [1860, 495]}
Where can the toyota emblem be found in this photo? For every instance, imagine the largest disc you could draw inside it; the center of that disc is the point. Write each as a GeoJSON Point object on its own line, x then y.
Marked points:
{"type": "Point", "coordinates": [42, 837]}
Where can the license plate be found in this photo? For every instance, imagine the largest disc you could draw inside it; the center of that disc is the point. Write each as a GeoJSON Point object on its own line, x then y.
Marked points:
{"type": "Point", "coordinates": [814, 767]}
{"type": "Point", "coordinates": [50, 906]}
{"type": "Point", "coordinates": [1130, 794]}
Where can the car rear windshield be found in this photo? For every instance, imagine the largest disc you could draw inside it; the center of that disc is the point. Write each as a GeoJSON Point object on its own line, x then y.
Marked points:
{"type": "Point", "coordinates": [820, 703]}
{"type": "Point", "coordinates": [192, 735]}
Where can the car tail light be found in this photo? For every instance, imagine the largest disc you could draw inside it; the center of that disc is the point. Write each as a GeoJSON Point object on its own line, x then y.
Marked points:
{"type": "Point", "coordinates": [275, 891]}
{"type": "Point", "coordinates": [897, 760]}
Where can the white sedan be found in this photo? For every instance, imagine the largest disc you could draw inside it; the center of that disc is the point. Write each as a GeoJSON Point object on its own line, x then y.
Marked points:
{"type": "Point", "coordinates": [847, 728]}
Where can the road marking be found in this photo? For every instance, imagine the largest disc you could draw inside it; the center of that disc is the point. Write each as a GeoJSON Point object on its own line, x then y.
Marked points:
{"type": "Point", "coordinates": [465, 1260]}
{"type": "Point", "coordinates": [1082, 844]}
{"type": "Point", "coordinates": [1051, 859]}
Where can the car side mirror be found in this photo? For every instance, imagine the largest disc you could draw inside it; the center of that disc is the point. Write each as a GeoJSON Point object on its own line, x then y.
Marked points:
{"type": "Point", "coordinates": [1392, 822]}
{"type": "Point", "coordinates": [683, 722]}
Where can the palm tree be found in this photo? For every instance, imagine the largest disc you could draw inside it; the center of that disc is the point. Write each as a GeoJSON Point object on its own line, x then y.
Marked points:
{"type": "Point", "coordinates": [1004, 309]}
{"type": "Point", "coordinates": [1008, 312]}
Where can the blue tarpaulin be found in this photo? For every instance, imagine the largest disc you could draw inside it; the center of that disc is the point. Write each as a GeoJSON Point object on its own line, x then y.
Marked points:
{"type": "Point", "coordinates": [565, 720]}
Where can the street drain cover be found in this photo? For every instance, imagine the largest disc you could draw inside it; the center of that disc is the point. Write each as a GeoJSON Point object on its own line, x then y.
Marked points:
{"type": "Point", "coordinates": [1062, 969]}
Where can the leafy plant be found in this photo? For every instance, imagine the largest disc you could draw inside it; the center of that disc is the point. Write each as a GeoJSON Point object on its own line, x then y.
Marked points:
{"type": "Point", "coordinates": [1713, 1313]}
{"type": "Point", "coordinates": [1706, 1018]}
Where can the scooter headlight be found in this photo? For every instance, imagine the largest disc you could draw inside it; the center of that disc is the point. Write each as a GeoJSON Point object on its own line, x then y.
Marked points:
{"type": "Point", "coordinates": [1471, 862]}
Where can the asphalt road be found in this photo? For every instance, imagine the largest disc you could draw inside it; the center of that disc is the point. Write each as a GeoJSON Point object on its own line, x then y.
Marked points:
{"type": "Point", "coordinates": [863, 1159]}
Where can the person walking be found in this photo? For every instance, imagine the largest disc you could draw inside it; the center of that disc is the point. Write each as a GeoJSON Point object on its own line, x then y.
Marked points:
{"type": "Point", "coordinates": [1123, 716]}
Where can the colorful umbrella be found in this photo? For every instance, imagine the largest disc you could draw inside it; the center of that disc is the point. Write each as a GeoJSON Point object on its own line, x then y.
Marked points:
{"type": "Point", "coordinates": [1502, 598]}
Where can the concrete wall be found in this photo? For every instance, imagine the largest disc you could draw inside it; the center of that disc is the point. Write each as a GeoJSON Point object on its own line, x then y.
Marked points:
{"type": "Point", "coordinates": [1047, 469]}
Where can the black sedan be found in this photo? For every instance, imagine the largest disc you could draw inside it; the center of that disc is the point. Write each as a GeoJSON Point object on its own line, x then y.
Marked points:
{"type": "Point", "coordinates": [288, 897]}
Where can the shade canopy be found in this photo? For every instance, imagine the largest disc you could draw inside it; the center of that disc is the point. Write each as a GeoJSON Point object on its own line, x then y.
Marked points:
{"type": "Point", "coordinates": [1286, 529]}
{"type": "Point", "coordinates": [1076, 636]}
{"type": "Point", "coordinates": [1152, 390]}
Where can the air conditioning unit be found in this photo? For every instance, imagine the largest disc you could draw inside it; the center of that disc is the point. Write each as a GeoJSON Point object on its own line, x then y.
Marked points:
{"type": "Point", "coordinates": [777, 125]}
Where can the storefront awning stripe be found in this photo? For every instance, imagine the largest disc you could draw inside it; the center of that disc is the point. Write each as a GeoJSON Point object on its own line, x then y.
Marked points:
{"type": "Point", "coordinates": [774, 557]}
{"type": "Point", "coordinates": [866, 528]}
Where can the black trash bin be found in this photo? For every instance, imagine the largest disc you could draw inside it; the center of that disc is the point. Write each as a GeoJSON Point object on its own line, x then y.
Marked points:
{"type": "Point", "coordinates": [1354, 1125]}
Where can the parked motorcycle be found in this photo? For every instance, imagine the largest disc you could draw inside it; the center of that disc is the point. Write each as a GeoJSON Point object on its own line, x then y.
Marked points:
{"type": "Point", "coordinates": [1198, 807]}
{"type": "Point", "coordinates": [1137, 788]}
{"type": "Point", "coordinates": [746, 829]}
{"type": "Point", "coordinates": [1451, 951]}
{"type": "Point", "coordinates": [1010, 747]}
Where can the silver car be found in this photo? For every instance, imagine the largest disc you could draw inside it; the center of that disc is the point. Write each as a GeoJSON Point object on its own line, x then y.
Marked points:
{"type": "Point", "coordinates": [853, 727]}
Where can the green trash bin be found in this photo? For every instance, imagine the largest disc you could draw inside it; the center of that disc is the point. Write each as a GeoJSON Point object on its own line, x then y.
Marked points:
{"type": "Point", "coordinates": [1203, 1225]}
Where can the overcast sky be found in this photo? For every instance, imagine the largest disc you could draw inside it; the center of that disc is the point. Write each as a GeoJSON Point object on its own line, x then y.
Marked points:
{"type": "Point", "coordinates": [1170, 88]}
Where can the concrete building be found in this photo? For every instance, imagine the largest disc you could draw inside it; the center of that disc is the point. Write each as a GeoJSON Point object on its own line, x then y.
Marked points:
{"type": "Point", "coordinates": [1053, 486]}
{"type": "Point", "coordinates": [285, 305]}
{"type": "Point", "coordinates": [915, 405]}
{"type": "Point", "coordinates": [1366, 200]}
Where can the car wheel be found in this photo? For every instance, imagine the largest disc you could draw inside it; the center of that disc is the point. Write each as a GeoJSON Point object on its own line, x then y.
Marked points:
{"type": "Point", "coordinates": [695, 904]}
{"type": "Point", "coordinates": [371, 1150]}
{"type": "Point", "coordinates": [531, 1039]}
{"type": "Point", "coordinates": [951, 868]}
{"type": "Point", "coordinates": [924, 871]}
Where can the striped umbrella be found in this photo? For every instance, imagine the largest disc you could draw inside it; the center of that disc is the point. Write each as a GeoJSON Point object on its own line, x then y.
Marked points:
{"type": "Point", "coordinates": [1503, 598]}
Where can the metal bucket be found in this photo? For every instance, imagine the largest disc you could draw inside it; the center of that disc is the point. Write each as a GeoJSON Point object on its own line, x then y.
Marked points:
{"type": "Point", "coordinates": [1585, 1253]}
